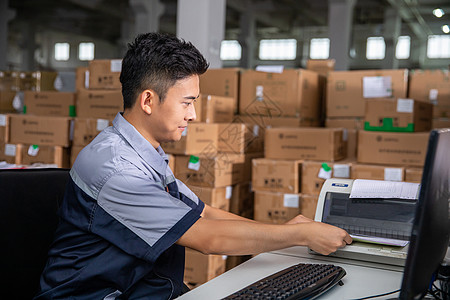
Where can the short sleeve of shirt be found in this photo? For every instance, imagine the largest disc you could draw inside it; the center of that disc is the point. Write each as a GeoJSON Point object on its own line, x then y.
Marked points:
{"type": "Point", "coordinates": [146, 209]}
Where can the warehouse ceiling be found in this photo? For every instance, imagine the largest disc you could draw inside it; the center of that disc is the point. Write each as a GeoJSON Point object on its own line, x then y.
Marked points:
{"type": "Point", "coordinates": [103, 18]}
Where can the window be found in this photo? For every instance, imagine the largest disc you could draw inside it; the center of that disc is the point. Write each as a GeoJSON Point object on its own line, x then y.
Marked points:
{"type": "Point", "coordinates": [403, 47]}
{"type": "Point", "coordinates": [375, 48]}
{"type": "Point", "coordinates": [230, 50]}
{"type": "Point", "coordinates": [62, 51]}
{"type": "Point", "coordinates": [280, 49]}
{"type": "Point", "coordinates": [438, 46]}
{"type": "Point", "coordinates": [86, 51]}
{"type": "Point", "coordinates": [319, 48]}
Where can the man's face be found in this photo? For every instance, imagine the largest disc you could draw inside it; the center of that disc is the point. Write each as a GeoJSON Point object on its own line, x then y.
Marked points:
{"type": "Point", "coordinates": [170, 118]}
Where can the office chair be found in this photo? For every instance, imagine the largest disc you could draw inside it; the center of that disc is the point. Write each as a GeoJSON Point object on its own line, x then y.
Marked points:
{"type": "Point", "coordinates": [29, 199]}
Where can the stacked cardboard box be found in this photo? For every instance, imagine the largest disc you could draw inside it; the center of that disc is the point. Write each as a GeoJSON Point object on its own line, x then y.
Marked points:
{"type": "Point", "coordinates": [98, 100]}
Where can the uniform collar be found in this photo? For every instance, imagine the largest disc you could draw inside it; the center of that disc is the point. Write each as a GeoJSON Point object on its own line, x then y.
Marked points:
{"type": "Point", "coordinates": [156, 158]}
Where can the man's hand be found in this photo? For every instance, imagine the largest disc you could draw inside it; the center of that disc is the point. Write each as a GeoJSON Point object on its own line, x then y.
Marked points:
{"type": "Point", "coordinates": [325, 238]}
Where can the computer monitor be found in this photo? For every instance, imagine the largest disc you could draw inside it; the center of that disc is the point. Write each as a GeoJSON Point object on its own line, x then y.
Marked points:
{"type": "Point", "coordinates": [431, 226]}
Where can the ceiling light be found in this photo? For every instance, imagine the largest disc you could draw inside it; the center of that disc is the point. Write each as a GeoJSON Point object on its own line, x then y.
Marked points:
{"type": "Point", "coordinates": [445, 28]}
{"type": "Point", "coordinates": [438, 12]}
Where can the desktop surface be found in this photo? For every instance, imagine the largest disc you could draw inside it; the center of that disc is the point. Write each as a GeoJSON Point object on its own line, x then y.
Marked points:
{"type": "Point", "coordinates": [362, 279]}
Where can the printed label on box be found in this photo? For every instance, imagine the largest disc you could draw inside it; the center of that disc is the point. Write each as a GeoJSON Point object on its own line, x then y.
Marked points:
{"type": "Point", "coordinates": [2, 120]}
{"type": "Point", "coordinates": [228, 192]}
{"type": "Point", "coordinates": [102, 124]}
{"type": "Point", "coordinates": [405, 105]}
{"type": "Point", "coordinates": [33, 150]}
{"type": "Point", "coordinates": [290, 200]}
{"type": "Point", "coordinates": [341, 171]}
{"type": "Point", "coordinates": [116, 65]}
{"type": "Point", "coordinates": [377, 86]}
{"type": "Point", "coordinates": [194, 163]}
{"type": "Point", "coordinates": [10, 150]}
{"type": "Point", "coordinates": [393, 174]}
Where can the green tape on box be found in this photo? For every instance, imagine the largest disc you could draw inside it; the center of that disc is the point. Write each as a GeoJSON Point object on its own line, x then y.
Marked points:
{"type": "Point", "coordinates": [388, 125]}
{"type": "Point", "coordinates": [24, 109]}
{"type": "Point", "coordinates": [72, 111]}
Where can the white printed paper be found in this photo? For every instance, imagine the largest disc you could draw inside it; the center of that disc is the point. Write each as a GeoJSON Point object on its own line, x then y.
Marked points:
{"type": "Point", "coordinates": [405, 105]}
{"type": "Point", "coordinates": [364, 188]}
{"type": "Point", "coordinates": [393, 174]}
{"type": "Point", "coordinates": [259, 92]}
{"type": "Point", "coordinates": [341, 171]}
{"type": "Point", "coordinates": [291, 200]}
{"type": "Point", "coordinates": [102, 124]}
{"type": "Point", "coordinates": [377, 86]}
{"type": "Point", "coordinates": [116, 65]}
{"type": "Point", "coordinates": [379, 240]}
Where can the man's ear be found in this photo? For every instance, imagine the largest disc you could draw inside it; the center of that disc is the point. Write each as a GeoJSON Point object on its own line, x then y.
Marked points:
{"type": "Point", "coordinates": [147, 99]}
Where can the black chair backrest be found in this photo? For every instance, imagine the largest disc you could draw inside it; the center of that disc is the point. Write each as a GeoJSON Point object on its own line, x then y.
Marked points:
{"type": "Point", "coordinates": [29, 199]}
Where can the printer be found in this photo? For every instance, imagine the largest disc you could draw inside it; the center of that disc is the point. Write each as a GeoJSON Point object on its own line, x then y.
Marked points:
{"type": "Point", "coordinates": [377, 214]}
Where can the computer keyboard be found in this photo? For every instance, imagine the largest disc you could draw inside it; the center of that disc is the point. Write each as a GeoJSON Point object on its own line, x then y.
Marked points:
{"type": "Point", "coordinates": [301, 281]}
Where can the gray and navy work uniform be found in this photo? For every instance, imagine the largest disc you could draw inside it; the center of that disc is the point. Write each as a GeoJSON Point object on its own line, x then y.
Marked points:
{"type": "Point", "coordinates": [121, 215]}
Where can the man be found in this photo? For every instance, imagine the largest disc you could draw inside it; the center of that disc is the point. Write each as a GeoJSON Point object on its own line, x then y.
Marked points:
{"type": "Point", "coordinates": [125, 219]}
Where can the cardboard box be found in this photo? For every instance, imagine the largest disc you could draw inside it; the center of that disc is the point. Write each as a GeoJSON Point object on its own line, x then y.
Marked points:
{"type": "Point", "coordinates": [214, 109]}
{"type": "Point", "coordinates": [36, 154]}
{"type": "Point", "coordinates": [9, 81]}
{"type": "Point", "coordinates": [6, 102]}
{"type": "Point", "coordinates": [305, 143]}
{"type": "Point", "coordinates": [105, 74]}
{"type": "Point", "coordinates": [441, 111]}
{"type": "Point", "coordinates": [208, 139]}
{"type": "Point", "coordinates": [197, 139]}
{"type": "Point", "coordinates": [276, 208]}
{"type": "Point", "coordinates": [4, 128]}
{"type": "Point", "coordinates": [309, 205]}
{"type": "Point", "coordinates": [321, 66]}
{"type": "Point", "coordinates": [430, 86]}
{"type": "Point", "coordinates": [377, 172]}
{"type": "Point", "coordinates": [234, 261]}
{"type": "Point", "coordinates": [40, 130]}
{"type": "Point", "coordinates": [8, 152]}
{"type": "Point", "coordinates": [37, 81]}
{"type": "Point", "coordinates": [397, 115]}
{"type": "Point", "coordinates": [413, 175]}
{"type": "Point", "coordinates": [267, 122]}
{"type": "Point", "coordinates": [200, 268]}
{"type": "Point", "coordinates": [74, 153]}
{"type": "Point", "coordinates": [349, 123]}
{"type": "Point", "coordinates": [85, 130]}
{"type": "Point", "coordinates": [293, 93]}
{"type": "Point", "coordinates": [215, 197]}
{"type": "Point", "coordinates": [218, 171]}
{"type": "Point", "coordinates": [49, 103]}
{"type": "Point", "coordinates": [315, 173]}
{"type": "Point", "coordinates": [275, 175]}
{"type": "Point", "coordinates": [101, 104]}
{"type": "Point", "coordinates": [242, 200]}
{"type": "Point", "coordinates": [392, 148]}
{"type": "Point", "coordinates": [222, 82]}
{"type": "Point", "coordinates": [347, 90]}
{"type": "Point", "coordinates": [441, 123]}
{"type": "Point", "coordinates": [81, 78]}
{"type": "Point", "coordinates": [171, 162]}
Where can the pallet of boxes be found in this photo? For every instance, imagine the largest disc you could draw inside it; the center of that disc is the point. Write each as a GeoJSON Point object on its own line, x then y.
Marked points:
{"type": "Point", "coordinates": [287, 108]}
{"type": "Point", "coordinates": [392, 129]}
{"type": "Point", "coordinates": [212, 159]}
{"type": "Point", "coordinates": [39, 132]}
{"type": "Point", "coordinates": [99, 99]}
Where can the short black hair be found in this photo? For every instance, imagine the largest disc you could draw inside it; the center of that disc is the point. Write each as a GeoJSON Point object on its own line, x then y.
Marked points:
{"type": "Point", "coordinates": [157, 61]}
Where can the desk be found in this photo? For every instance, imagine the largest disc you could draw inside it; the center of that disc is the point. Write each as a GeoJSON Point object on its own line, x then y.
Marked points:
{"type": "Point", "coordinates": [362, 279]}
